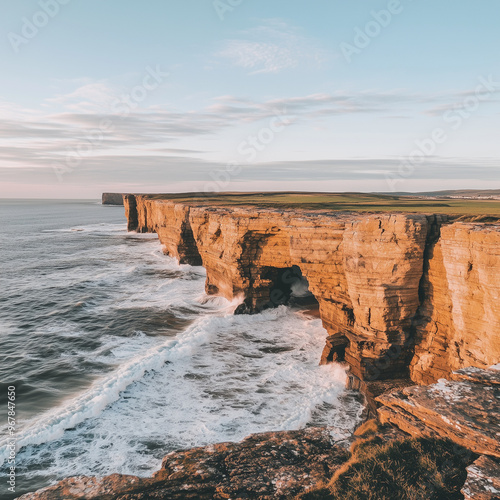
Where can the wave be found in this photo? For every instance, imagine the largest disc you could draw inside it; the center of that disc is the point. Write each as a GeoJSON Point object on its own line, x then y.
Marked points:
{"type": "Point", "coordinates": [102, 393]}
{"type": "Point", "coordinates": [221, 379]}
{"type": "Point", "coordinates": [93, 228]}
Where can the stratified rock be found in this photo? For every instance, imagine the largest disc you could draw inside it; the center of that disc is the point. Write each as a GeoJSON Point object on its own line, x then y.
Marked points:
{"type": "Point", "coordinates": [89, 488]}
{"type": "Point", "coordinates": [458, 323]}
{"type": "Point", "coordinates": [483, 480]}
{"type": "Point", "coordinates": [473, 374]}
{"type": "Point", "coordinates": [399, 294]}
{"type": "Point", "coordinates": [371, 390]}
{"type": "Point", "coordinates": [466, 412]}
{"type": "Point", "coordinates": [272, 465]}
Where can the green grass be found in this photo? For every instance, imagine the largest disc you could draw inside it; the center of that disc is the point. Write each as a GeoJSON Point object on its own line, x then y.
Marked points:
{"type": "Point", "coordinates": [485, 210]}
{"type": "Point", "coordinates": [405, 469]}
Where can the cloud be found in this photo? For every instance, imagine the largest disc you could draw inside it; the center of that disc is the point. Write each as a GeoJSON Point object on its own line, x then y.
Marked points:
{"type": "Point", "coordinates": [156, 137]}
{"type": "Point", "coordinates": [31, 138]}
{"type": "Point", "coordinates": [271, 48]}
{"type": "Point", "coordinates": [90, 97]}
{"type": "Point", "coordinates": [159, 170]}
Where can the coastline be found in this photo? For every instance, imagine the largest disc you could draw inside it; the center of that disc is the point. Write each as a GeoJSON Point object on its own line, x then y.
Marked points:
{"type": "Point", "coordinates": [178, 233]}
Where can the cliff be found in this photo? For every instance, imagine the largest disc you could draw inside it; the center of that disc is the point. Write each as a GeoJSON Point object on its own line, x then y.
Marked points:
{"type": "Point", "coordinates": [399, 294]}
{"type": "Point", "coordinates": [112, 199]}
{"type": "Point", "coordinates": [465, 410]}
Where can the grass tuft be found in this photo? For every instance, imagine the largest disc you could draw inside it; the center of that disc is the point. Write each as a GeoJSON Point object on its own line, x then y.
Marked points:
{"type": "Point", "coordinates": [407, 469]}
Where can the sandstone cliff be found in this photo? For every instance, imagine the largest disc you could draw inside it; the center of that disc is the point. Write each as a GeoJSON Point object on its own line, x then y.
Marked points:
{"type": "Point", "coordinates": [399, 294]}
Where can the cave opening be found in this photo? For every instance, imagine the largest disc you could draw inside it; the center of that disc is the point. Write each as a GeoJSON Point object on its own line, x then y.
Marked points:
{"type": "Point", "coordinates": [289, 287]}
{"type": "Point", "coordinates": [272, 287]}
{"type": "Point", "coordinates": [335, 349]}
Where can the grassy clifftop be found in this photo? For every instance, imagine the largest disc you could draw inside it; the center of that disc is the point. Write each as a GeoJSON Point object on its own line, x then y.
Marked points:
{"type": "Point", "coordinates": [360, 202]}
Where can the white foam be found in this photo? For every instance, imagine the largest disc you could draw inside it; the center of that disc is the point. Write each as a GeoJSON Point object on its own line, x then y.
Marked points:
{"type": "Point", "coordinates": [92, 402]}
{"type": "Point", "coordinates": [222, 379]}
{"type": "Point", "coordinates": [92, 228]}
{"type": "Point", "coordinates": [300, 288]}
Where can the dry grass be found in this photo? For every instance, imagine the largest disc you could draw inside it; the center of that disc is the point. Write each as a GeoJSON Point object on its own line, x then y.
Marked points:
{"type": "Point", "coordinates": [404, 469]}
{"type": "Point", "coordinates": [486, 210]}
{"type": "Point", "coordinates": [370, 427]}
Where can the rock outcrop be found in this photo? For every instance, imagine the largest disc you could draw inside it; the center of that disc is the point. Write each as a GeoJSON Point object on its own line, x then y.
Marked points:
{"type": "Point", "coordinates": [272, 465]}
{"type": "Point", "coordinates": [112, 199]}
{"type": "Point", "coordinates": [399, 294]}
{"type": "Point", "coordinates": [483, 480]}
{"type": "Point", "coordinates": [465, 410]}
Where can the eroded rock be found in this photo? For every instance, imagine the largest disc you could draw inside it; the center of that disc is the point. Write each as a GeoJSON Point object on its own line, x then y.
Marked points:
{"type": "Point", "coordinates": [398, 294]}
{"type": "Point", "coordinates": [467, 412]}
{"type": "Point", "coordinates": [272, 465]}
{"type": "Point", "coordinates": [483, 480]}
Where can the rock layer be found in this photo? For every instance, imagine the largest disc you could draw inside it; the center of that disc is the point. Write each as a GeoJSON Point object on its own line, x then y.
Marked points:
{"type": "Point", "coordinates": [466, 411]}
{"type": "Point", "coordinates": [399, 294]}
{"type": "Point", "coordinates": [459, 320]}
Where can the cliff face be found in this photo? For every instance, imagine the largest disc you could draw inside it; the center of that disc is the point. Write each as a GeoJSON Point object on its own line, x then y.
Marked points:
{"type": "Point", "coordinates": [459, 320]}
{"type": "Point", "coordinates": [397, 294]}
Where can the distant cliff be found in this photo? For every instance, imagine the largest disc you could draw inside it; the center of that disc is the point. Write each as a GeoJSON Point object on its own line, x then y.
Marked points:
{"type": "Point", "coordinates": [112, 199]}
{"type": "Point", "coordinates": [399, 294]}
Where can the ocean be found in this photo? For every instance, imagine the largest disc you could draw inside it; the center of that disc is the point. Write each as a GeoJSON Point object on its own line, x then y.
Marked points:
{"type": "Point", "coordinates": [118, 357]}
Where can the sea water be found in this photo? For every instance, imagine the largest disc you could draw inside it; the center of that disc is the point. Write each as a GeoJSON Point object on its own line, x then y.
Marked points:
{"type": "Point", "coordinates": [118, 357]}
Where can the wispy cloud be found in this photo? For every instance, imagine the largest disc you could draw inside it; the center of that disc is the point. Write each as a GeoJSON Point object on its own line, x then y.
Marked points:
{"type": "Point", "coordinates": [272, 47]}
{"type": "Point", "coordinates": [39, 138]}
{"type": "Point", "coordinates": [90, 97]}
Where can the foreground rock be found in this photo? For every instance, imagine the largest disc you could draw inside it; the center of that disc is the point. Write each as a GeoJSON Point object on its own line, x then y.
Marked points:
{"type": "Point", "coordinates": [466, 410]}
{"type": "Point", "coordinates": [483, 480]}
{"type": "Point", "coordinates": [270, 465]}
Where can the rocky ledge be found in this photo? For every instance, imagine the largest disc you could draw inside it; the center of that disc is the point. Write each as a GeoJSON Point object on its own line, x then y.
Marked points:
{"type": "Point", "coordinates": [270, 465]}
{"type": "Point", "coordinates": [483, 480]}
{"type": "Point", "coordinates": [465, 410]}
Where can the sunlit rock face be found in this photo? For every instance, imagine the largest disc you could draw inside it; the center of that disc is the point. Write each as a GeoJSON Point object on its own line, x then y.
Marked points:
{"type": "Point", "coordinates": [465, 410]}
{"type": "Point", "coordinates": [399, 294]}
{"type": "Point", "coordinates": [459, 321]}
{"type": "Point", "coordinates": [483, 480]}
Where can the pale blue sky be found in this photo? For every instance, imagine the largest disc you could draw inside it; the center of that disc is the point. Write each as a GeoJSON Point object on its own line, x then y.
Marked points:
{"type": "Point", "coordinates": [284, 91]}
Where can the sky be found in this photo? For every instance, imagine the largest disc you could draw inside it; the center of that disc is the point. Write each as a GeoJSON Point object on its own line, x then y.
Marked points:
{"type": "Point", "coordinates": [218, 95]}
